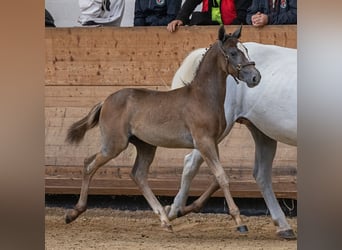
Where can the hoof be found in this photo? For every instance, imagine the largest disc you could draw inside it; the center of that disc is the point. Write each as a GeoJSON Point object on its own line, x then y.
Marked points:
{"type": "Point", "coordinates": [68, 219]}
{"type": "Point", "coordinates": [70, 216]}
{"type": "Point", "coordinates": [167, 227]}
{"type": "Point", "coordinates": [167, 209]}
{"type": "Point", "coordinates": [242, 229]}
{"type": "Point", "coordinates": [287, 234]}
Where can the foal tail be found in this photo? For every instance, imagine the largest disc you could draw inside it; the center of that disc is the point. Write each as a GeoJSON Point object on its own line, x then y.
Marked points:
{"type": "Point", "coordinates": [77, 130]}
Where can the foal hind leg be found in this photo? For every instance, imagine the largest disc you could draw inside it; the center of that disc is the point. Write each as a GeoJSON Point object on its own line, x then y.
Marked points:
{"type": "Point", "coordinates": [144, 158]}
{"type": "Point", "coordinates": [112, 145]}
{"type": "Point", "coordinates": [91, 164]}
{"type": "Point", "coordinates": [265, 149]}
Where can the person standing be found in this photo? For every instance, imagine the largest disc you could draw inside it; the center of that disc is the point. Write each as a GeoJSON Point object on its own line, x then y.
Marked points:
{"type": "Point", "coordinates": [155, 12]}
{"type": "Point", "coordinates": [213, 12]}
{"type": "Point", "coordinates": [266, 12]}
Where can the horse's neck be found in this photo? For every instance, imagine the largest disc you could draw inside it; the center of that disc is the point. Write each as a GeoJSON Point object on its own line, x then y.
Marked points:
{"type": "Point", "coordinates": [210, 78]}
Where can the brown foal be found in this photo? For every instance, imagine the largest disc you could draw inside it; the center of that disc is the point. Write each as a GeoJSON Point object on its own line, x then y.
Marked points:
{"type": "Point", "coordinates": [189, 117]}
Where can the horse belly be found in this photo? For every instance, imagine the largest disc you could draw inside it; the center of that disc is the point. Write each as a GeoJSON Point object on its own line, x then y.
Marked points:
{"type": "Point", "coordinates": [271, 106]}
{"type": "Point", "coordinates": [274, 112]}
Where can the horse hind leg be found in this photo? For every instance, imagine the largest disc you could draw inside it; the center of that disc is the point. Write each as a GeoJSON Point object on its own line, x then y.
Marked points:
{"type": "Point", "coordinates": [265, 149]}
{"type": "Point", "coordinates": [144, 158]}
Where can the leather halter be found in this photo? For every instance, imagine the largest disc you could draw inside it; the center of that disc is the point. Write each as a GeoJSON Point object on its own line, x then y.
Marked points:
{"type": "Point", "coordinates": [239, 66]}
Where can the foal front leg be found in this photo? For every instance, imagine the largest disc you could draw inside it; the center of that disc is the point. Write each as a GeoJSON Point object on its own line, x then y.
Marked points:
{"type": "Point", "coordinates": [209, 151]}
{"type": "Point", "coordinates": [192, 163]}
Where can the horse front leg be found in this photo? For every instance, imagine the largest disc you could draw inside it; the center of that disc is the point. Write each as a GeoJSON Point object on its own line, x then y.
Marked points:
{"type": "Point", "coordinates": [192, 163]}
{"type": "Point", "coordinates": [144, 158]}
{"type": "Point", "coordinates": [209, 151]}
{"type": "Point", "coordinates": [265, 149]}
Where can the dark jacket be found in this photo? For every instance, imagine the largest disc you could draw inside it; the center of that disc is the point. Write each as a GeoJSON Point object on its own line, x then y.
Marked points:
{"type": "Point", "coordinates": [155, 12]}
{"type": "Point", "coordinates": [189, 6]}
{"type": "Point", "coordinates": [49, 21]}
{"type": "Point", "coordinates": [286, 11]}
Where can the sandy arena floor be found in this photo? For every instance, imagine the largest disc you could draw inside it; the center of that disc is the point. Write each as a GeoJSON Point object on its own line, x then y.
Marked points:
{"type": "Point", "coordinates": [114, 229]}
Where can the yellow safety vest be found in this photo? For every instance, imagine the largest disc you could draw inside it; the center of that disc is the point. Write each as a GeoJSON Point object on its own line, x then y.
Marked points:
{"type": "Point", "coordinates": [216, 12]}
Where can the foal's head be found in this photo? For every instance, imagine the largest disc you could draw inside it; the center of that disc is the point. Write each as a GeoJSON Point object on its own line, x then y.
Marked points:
{"type": "Point", "coordinates": [236, 57]}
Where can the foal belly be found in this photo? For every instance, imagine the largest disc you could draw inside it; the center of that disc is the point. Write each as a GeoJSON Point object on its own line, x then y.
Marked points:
{"type": "Point", "coordinates": [168, 138]}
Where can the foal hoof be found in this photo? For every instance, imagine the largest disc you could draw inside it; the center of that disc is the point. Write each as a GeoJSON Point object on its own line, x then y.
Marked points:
{"type": "Point", "coordinates": [70, 216]}
{"type": "Point", "coordinates": [167, 227]}
{"type": "Point", "coordinates": [68, 219]}
{"type": "Point", "coordinates": [242, 229]}
{"type": "Point", "coordinates": [287, 234]}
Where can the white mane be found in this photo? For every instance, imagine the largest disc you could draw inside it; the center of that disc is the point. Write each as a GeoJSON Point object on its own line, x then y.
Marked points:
{"type": "Point", "coordinates": [186, 72]}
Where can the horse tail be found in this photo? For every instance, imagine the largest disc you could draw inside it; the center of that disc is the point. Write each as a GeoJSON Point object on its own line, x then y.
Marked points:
{"type": "Point", "coordinates": [77, 130]}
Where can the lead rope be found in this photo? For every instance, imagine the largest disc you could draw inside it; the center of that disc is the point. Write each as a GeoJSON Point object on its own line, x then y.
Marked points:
{"type": "Point", "coordinates": [288, 207]}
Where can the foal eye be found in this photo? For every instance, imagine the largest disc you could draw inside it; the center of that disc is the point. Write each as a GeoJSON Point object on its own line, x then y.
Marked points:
{"type": "Point", "coordinates": [233, 53]}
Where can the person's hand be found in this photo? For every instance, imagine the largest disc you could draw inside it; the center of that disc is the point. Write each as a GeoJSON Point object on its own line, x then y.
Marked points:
{"type": "Point", "coordinates": [259, 19]}
{"type": "Point", "coordinates": [172, 26]}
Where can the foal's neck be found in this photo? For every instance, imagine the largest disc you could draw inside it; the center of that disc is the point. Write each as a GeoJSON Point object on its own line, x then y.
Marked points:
{"type": "Point", "coordinates": [211, 77]}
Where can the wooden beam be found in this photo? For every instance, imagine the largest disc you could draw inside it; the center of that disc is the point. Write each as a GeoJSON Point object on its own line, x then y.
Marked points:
{"type": "Point", "coordinates": [85, 65]}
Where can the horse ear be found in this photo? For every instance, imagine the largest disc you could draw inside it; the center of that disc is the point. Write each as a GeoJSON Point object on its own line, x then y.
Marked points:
{"type": "Point", "coordinates": [237, 33]}
{"type": "Point", "coordinates": [221, 33]}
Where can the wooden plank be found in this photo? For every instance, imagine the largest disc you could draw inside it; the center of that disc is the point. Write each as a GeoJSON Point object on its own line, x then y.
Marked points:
{"type": "Point", "coordinates": [84, 96]}
{"type": "Point", "coordinates": [85, 65]}
{"type": "Point", "coordinates": [136, 56]}
{"type": "Point", "coordinates": [67, 179]}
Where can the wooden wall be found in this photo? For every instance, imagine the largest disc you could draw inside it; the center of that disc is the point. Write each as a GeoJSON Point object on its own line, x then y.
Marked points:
{"type": "Point", "coordinates": [84, 65]}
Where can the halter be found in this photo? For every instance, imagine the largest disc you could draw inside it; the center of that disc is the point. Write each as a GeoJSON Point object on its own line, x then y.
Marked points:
{"type": "Point", "coordinates": [239, 66]}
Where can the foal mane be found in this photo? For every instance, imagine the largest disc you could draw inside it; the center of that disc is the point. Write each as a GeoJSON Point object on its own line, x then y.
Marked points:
{"type": "Point", "coordinates": [211, 46]}
{"type": "Point", "coordinates": [222, 38]}
{"type": "Point", "coordinates": [199, 65]}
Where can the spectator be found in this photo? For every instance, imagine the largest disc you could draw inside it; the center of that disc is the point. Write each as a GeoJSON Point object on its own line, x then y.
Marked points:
{"type": "Point", "coordinates": [49, 21]}
{"type": "Point", "coordinates": [213, 12]}
{"type": "Point", "coordinates": [264, 12]}
{"type": "Point", "coordinates": [155, 12]}
{"type": "Point", "coordinates": [101, 12]}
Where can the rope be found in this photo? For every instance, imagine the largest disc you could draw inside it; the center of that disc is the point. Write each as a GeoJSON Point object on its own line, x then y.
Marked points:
{"type": "Point", "coordinates": [289, 208]}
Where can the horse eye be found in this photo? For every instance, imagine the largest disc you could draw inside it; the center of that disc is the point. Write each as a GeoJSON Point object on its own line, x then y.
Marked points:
{"type": "Point", "coordinates": [233, 53]}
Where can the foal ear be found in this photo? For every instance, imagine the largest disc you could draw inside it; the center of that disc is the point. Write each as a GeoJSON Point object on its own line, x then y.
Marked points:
{"type": "Point", "coordinates": [221, 33]}
{"type": "Point", "coordinates": [237, 33]}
